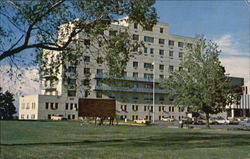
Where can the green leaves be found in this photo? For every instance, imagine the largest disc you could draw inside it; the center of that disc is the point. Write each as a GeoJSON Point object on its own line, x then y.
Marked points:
{"type": "Point", "coordinates": [202, 84]}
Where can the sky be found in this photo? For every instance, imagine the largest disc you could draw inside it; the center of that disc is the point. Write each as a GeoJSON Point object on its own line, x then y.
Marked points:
{"type": "Point", "coordinates": [224, 22]}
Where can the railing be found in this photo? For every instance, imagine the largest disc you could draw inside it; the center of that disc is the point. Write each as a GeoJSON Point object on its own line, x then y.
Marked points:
{"type": "Point", "coordinates": [128, 78]}
{"type": "Point", "coordinates": [127, 89]}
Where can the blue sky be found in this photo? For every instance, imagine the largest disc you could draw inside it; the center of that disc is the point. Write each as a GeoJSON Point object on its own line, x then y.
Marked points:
{"type": "Point", "coordinates": [224, 22]}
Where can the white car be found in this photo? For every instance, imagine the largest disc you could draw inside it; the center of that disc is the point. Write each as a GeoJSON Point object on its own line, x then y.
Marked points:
{"type": "Point", "coordinates": [222, 121]}
{"type": "Point", "coordinates": [246, 123]}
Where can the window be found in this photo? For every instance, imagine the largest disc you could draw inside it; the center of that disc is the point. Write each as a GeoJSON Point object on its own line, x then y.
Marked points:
{"type": "Point", "coordinates": [135, 37]}
{"type": "Point", "coordinates": [171, 42]}
{"type": "Point", "coordinates": [23, 106]}
{"type": "Point", "coordinates": [98, 94]}
{"type": "Point", "coordinates": [161, 30]}
{"type": "Point", "coordinates": [148, 76]}
{"type": "Point", "coordinates": [86, 70]}
{"type": "Point", "coordinates": [161, 52]}
{"type": "Point", "coordinates": [86, 82]}
{"type": "Point", "coordinates": [73, 116]}
{"type": "Point", "coordinates": [86, 93]}
{"type": "Point", "coordinates": [99, 60]}
{"type": "Point", "coordinates": [56, 105]}
{"type": "Point", "coordinates": [161, 98]}
{"type": "Point", "coordinates": [135, 74]}
{"type": "Point", "coordinates": [148, 39]}
{"type": "Point", "coordinates": [72, 69]}
{"type": "Point", "coordinates": [135, 26]}
{"type": "Point", "coordinates": [135, 107]}
{"type": "Point", "coordinates": [99, 71]}
{"type": "Point", "coordinates": [86, 58]}
{"type": "Point", "coordinates": [49, 116]}
{"type": "Point", "coordinates": [180, 54]}
{"type": "Point", "coordinates": [99, 83]}
{"type": "Point", "coordinates": [189, 45]}
{"type": "Point", "coordinates": [145, 108]}
{"type": "Point", "coordinates": [135, 64]}
{"type": "Point", "coordinates": [86, 42]}
{"type": "Point", "coordinates": [71, 93]}
{"type": "Point", "coordinates": [46, 105]}
{"type": "Point", "coordinates": [180, 44]}
{"type": "Point", "coordinates": [161, 41]}
{"type": "Point", "coordinates": [72, 81]}
{"type": "Point", "coordinates": [124, 107]}
{"type": "Point", "coordinates": [68, 116]}
{"type": "Point", "coordinates": [148, 28]}
{"type": "Point", "coordinates": [67, 106]}
{"type": "Point", "coordinates": [112, 32]}
{"type": "Point", "coordinates": [172, 109]}
{"type": "Point", "coordinates": [76, 106]}
{"type": "Point", "coordinates": [148, 65]}
{"type": "Point", "coordinates": [161, 76]}
{"type": "Point", "coordinates": [71, 106]}
{"type": "Point", "coordinates": [52, 105]}
{"type": "Point", "coordinates": [161, 67]}
{"type": "Point", "coordinates": [145, 50]}
{"type": "Point", "coordinates": [171, 53]}
{"type": "Point", "coordinates": [135, 96]}
{"type": "Point", "coordinates": [151, 50]}
{"type": "Point", "coordinates": [171, 68]}
{"type": "Point", "coordinates": [33, 105]}
{"type": "Point", "coordinates": [159, 108]}
{"type": "Point", "coordinates": [28, 106]}
{"type": "Point", "coordinates": [180, 68]}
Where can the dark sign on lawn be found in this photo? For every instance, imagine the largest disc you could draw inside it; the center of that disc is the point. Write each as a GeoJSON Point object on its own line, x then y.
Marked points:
{"type": "Point", "coordinates": [96, 108]}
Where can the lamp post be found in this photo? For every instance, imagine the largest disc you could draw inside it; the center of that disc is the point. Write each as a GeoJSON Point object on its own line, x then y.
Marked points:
{"type": "Point", "coordinates": [153, 91]}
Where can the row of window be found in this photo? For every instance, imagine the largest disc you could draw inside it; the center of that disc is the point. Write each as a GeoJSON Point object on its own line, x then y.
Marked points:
{"type": "Point", "coordinates": [148, 28]}
{"type": "Point", "coordinates": [32, 116]}
{"type": "Point", "coordinates": [52, 106]}
{"type": "Point", "coordinates": [71, 106]}
{"type": "Point", "coordinates": [150, 108]}
{"type": "Point", "coordinates": [28, 106]}
{"type": "Point", "coordinates": [161, 41]}
{"type": "Point", "coordinates": [162, 52]}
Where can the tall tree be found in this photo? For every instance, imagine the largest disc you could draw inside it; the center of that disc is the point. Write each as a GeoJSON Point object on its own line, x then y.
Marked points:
{"type": "Point", "coordinates": [7, 108]}
{"type": "Point", "coordinates": [35, 23]}
{"type": "Point", "coordinates": [202, 84]}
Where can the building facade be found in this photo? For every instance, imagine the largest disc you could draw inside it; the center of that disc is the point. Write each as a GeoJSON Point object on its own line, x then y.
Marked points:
{"type": "Point", "coordinates": [138, 93]}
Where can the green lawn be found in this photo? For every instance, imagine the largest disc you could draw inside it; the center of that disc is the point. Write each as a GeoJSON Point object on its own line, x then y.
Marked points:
{"type": "Point", "coordinates": [67, 139]}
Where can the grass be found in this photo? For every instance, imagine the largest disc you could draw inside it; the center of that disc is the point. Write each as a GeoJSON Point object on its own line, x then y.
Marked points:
{"type": "Point", "coordinates": [67, 139]}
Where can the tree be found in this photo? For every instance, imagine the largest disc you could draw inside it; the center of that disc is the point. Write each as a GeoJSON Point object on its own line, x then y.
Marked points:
{"type": "Point", "coordinates": [35, 24]}
{"type": "Point", "coordinates": [202, 84]}
{"type": "Point", "coordinates": [7, 108]}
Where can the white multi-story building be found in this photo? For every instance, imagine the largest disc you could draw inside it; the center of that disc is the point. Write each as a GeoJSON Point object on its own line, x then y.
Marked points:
{"type": "Point", "coordinates": [138, 94]}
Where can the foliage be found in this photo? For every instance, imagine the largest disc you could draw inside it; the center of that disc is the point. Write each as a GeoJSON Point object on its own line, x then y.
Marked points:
{"type": "Point", "coordinates": [34, 24]}
{"type": "Point", "coordinates": [7, 108]}
{"type": "Point", "coordinates": [202, 84]}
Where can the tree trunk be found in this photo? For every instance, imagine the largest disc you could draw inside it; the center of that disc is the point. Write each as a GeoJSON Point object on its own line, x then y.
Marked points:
{"type": "Point", "coordinates": [207, 120]}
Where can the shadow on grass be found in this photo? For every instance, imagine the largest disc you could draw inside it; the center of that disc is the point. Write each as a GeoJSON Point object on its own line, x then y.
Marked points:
{"type": "Point", "coordinates": [177, 140]}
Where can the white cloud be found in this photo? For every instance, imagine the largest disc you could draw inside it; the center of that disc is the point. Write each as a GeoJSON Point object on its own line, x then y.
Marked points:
{"type": "Point", "coordinates": [237, 67]}
{"type": "Point", "coordinates": [229, 45]}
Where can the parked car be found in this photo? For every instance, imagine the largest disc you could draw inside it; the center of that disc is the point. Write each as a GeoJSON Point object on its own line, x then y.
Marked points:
{"type": "Point", "coordinates": [142, 121]}
{"type": "Point", "coordinates": [167, 119]}
{"type": "Point", "coordinates": [245, 123]}
{"type": "Point", "coordinates": [58, 117]}
{"type": "Point", "coordinates": [221, 120]}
